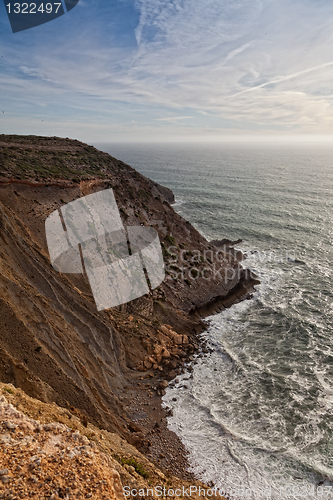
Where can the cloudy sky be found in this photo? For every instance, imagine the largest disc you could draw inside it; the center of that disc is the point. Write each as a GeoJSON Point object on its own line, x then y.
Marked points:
{"type": "Point", "coordinates": [128, 70]}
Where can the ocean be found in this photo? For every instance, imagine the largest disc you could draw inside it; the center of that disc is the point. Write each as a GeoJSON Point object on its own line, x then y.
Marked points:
{"type": "Point", "coordinates": [256, 413]}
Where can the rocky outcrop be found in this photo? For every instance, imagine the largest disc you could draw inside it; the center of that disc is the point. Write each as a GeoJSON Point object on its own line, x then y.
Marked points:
{"type": "Point", "coordinates": [164, 192]}
{"type": "Point", "coordinates": [51, 460]}
{"type": "Point", "coordinates": [46, 452]}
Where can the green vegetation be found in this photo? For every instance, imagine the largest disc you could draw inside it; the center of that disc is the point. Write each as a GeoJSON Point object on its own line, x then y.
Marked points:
{"type": "Point", "coordinates": [42, 158]}
{"type": "Point", "coordinates": [144, 194]}
{"type": "Point", "coordinates": [137, 466]}
{"type": "Point", "coordinates": [170, 239]}
{"type": "Point", "coordinates": [165, 251]}
{"type": "Point", "coordinates": [8, 389]}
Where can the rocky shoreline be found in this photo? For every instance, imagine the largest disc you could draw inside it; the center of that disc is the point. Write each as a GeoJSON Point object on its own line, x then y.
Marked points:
{"type": "Point", "coordinates": [144, 401]}
{"type": "Point", "coordinates": [108, 368]}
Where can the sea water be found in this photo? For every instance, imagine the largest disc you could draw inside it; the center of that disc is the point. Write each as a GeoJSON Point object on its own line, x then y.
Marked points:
{"type": "Point", "coordinates": [256, 413]}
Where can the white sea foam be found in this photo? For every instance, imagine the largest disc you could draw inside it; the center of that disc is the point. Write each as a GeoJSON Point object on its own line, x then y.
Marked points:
{"type": "Point", "coordinates": [178, 201]}
{"type": "Point", "coordinates": [246, 453]}
{"type": "Point", "coordinates": [258, 410]}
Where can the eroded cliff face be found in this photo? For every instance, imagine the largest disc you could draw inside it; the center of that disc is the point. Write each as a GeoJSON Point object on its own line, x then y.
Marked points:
{"type": "Point", "coordinates": [54, 344]}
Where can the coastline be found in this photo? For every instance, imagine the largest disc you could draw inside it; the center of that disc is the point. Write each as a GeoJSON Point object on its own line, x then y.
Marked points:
{"type": "Point", "coordinates": [110, 368]}
{"type": "Point", "coordinates": [143, 401]}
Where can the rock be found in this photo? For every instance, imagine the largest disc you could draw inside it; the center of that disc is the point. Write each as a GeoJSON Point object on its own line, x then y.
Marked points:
{"type": "Point", "coordinates": [35, 462]}
{"type": "Point", "coordinates": [171, 375]}
{"type": "Point", "coordinates": [133, 427]}
{"type": "Point", "coordinates": [10, 425]}
{"type": "Point", "coordinates": [158, 349]}
{"type": "Point", "coordinates": [130, 468]}
{"type": "Point", "coordinates": [147, 364]}
{"type": "Point", "coordinates": [166, 353]}
{"type": "Point", "coordinates": [165, 193]}
{"type": "Point", "coordinates": [173, 363]}
{"type": "Point", "coordinates": [164, 384]}
{"type": "Point", "coordinates": [225, 242]}
{"type": "Point", "coordinates": [160, 474]}
{"type": "Point", "coordinates": [178, 339]}
{"type": "Point", "coordinates": [52, 448]}
{"type": "Point", "coordinates": [166, 329]}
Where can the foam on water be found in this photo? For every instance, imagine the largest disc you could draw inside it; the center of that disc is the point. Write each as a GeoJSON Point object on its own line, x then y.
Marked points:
{"type": "Point", "coordinates": [178, 201]}
{"type": "Point", "coordinates": [263, 425]}
{"type": "Point", "coordinates": [257, 412]}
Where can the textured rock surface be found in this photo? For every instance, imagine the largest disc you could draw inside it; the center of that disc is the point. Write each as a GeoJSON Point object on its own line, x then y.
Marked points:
{"type": "Point", "coordinates": [51, 461]}
{"type": "Point", "coordinates": [46, 453]}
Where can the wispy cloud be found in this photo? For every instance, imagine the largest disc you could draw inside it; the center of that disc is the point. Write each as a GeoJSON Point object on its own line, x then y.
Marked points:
{"type": "Point", "coordinates": [285, 78]}
{"type": "Point", "coordinates": [226, 64]}
{"type": "Point", "coordinates": [173, 119]}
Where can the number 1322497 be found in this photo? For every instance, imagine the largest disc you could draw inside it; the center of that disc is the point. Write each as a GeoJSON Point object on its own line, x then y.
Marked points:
{"type": "Point", "coordinates": [33, 8]}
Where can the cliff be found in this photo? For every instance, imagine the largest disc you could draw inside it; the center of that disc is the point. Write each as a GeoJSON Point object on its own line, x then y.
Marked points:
{"type": "Point", "coordinates": [54, 344]}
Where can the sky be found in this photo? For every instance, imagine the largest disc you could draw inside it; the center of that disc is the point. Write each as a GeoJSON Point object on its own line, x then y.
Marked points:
{"type": "Point", "coordinates": [164, 70]}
